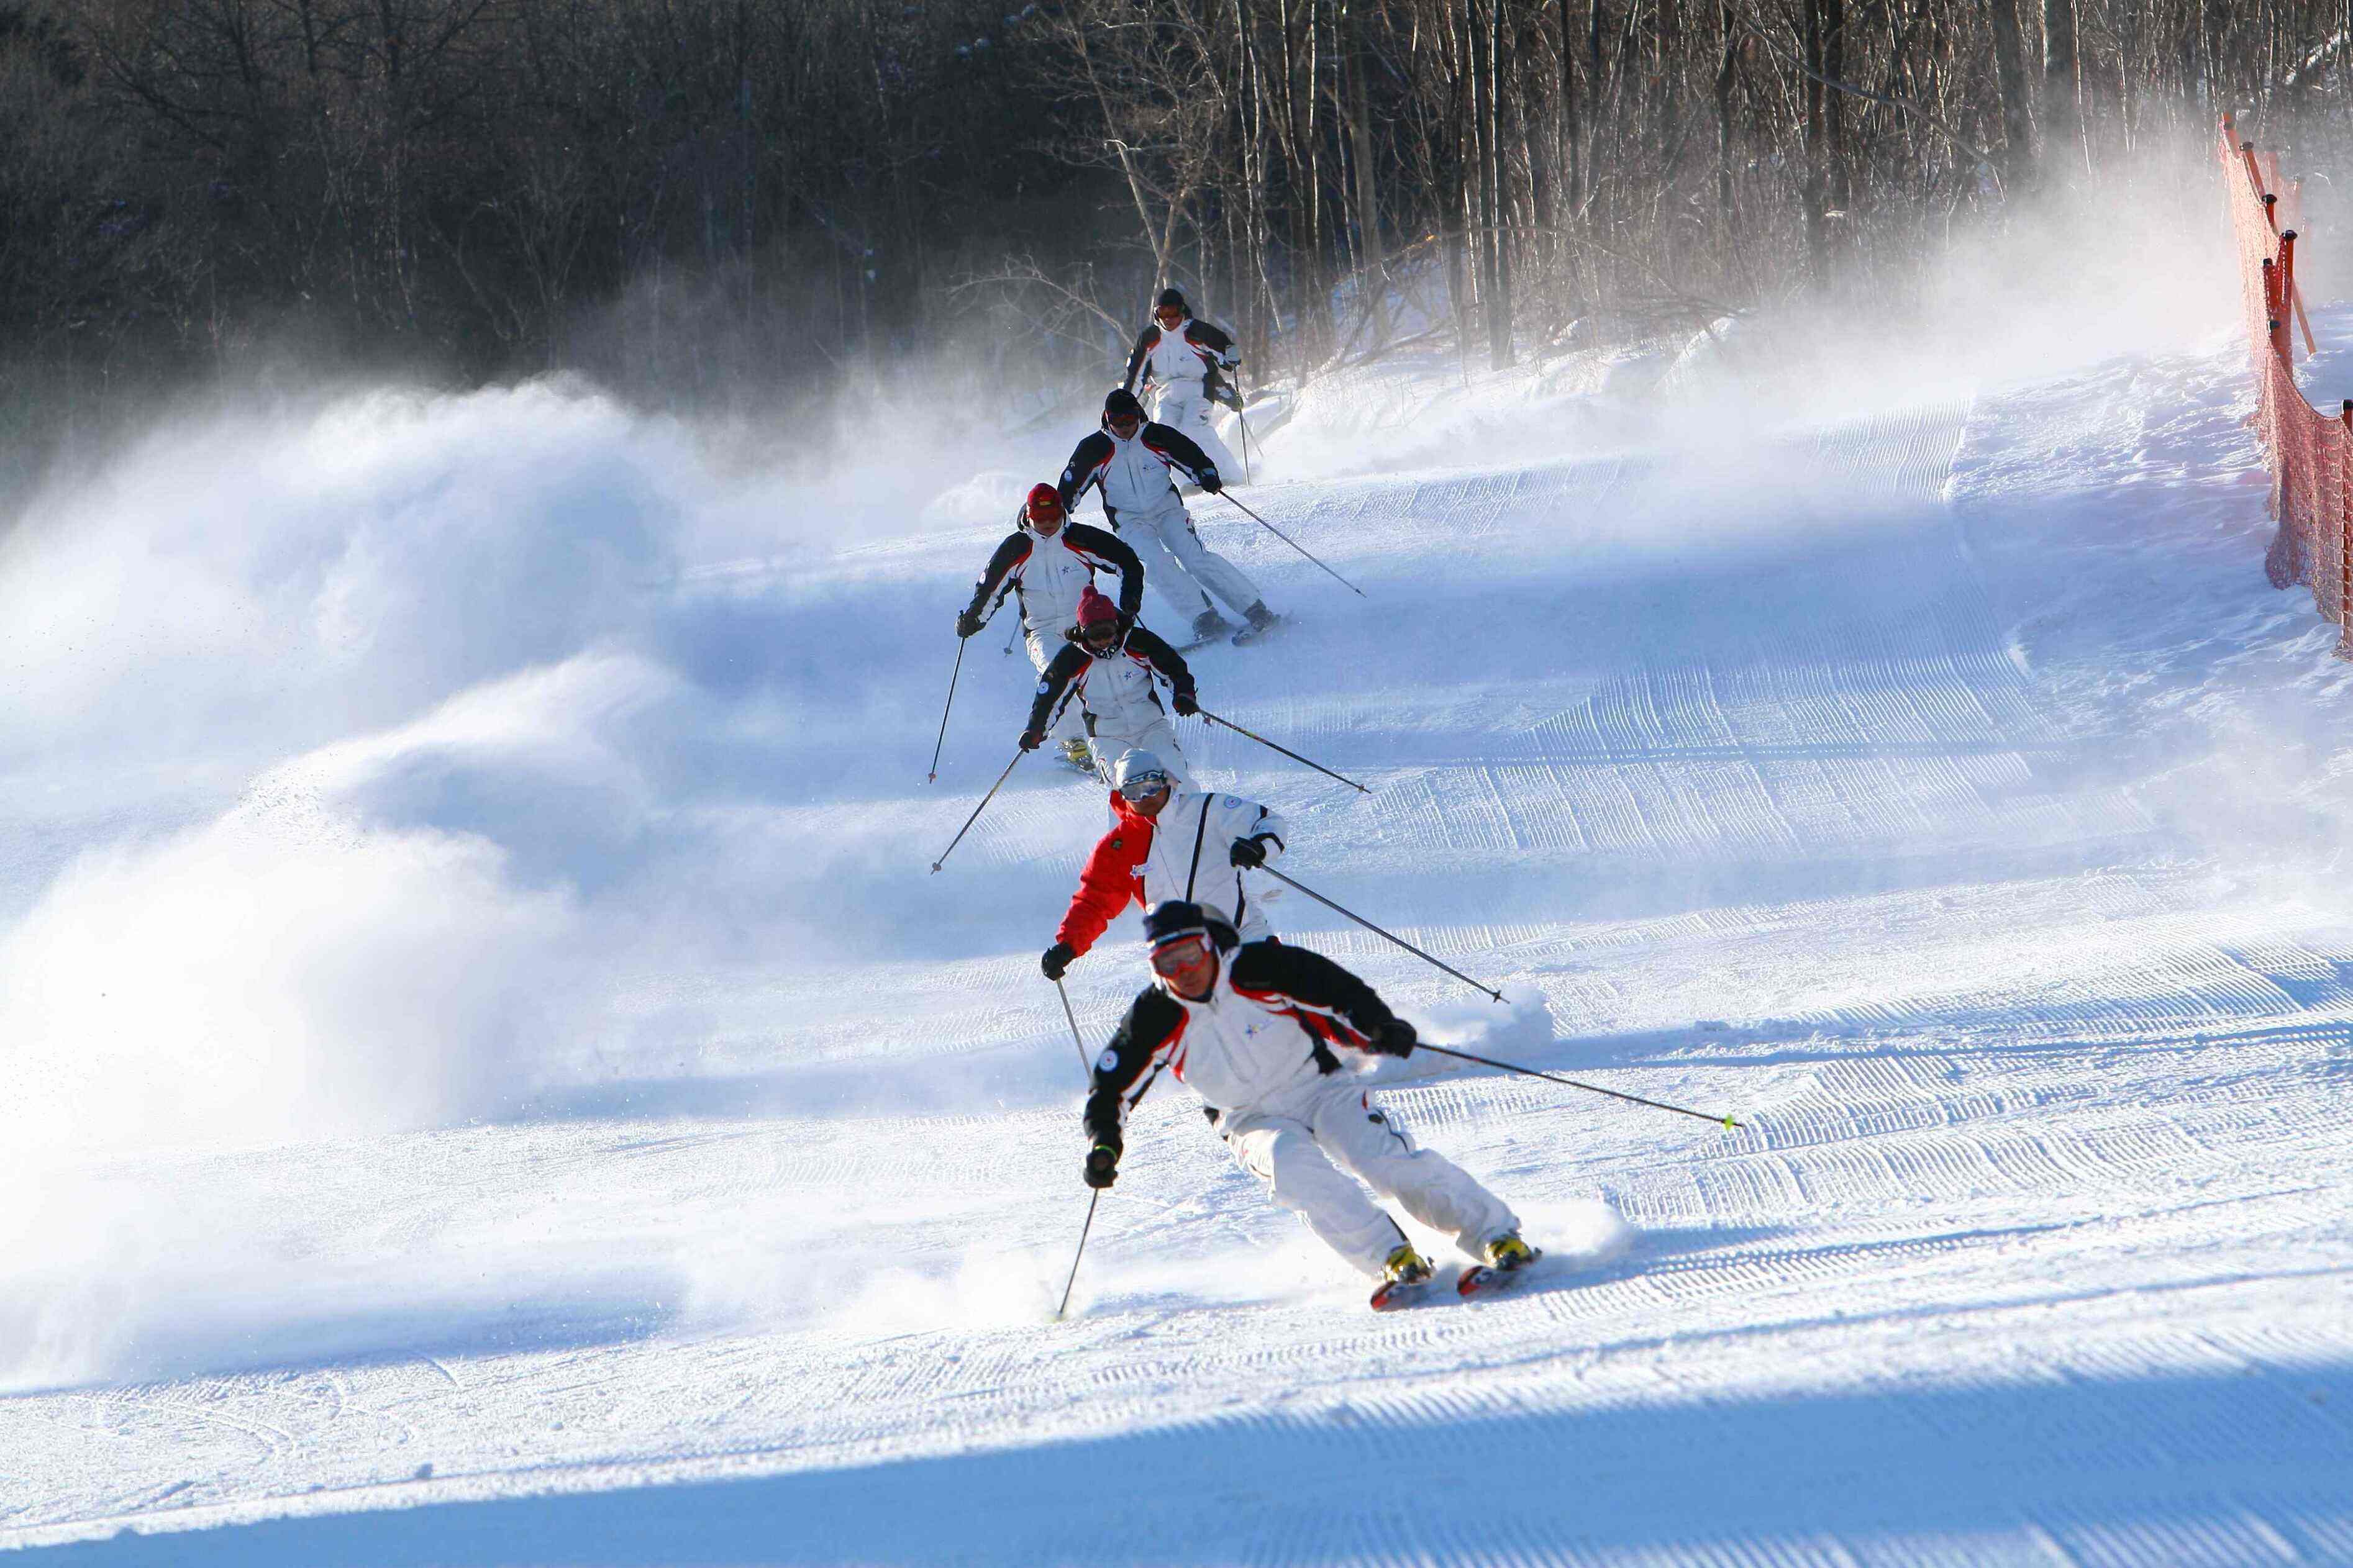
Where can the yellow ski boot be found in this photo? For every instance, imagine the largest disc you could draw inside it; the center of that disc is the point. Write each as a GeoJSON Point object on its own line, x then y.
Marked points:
{"type": "Point", "coordinates": [1409, 1276]}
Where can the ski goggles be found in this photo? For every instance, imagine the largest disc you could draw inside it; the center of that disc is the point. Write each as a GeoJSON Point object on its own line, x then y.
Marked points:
{"type": "Point", "coordinates": [1123, 425]}
{"type": "Point", "coordinates": [1178, 955]}
{"type": "Point", "coordinates": [1169, 315]}
{"type": "Point", "coordinates": [1137, 786]}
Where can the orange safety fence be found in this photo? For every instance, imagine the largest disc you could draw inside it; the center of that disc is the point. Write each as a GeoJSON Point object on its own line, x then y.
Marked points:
{"type": "Point", "coordinates": [2309, 454]}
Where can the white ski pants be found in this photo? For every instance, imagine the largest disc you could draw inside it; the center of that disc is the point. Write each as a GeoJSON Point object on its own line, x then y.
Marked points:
{"type": "Point", "coordinates": [1043, 646]}
{"type": "Point", "coordinates": [1177, 563]}
{"type": "Point", "coordinates": [1156, 735]}
{"type": "Point", "coordinates": [1310, 1147]}
{"type": "Point", "coordinates": [1184, 405]}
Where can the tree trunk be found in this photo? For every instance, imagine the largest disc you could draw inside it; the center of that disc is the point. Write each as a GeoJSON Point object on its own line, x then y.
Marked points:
{"type": "Point", "coordinates": [1499, 250]}
{"type": "Point", "coordinates": [2009, 76]}
{"type": "Point", "coordinates": [2061, 113]}
{"type": "Point", "coordinates": [1358, 63]}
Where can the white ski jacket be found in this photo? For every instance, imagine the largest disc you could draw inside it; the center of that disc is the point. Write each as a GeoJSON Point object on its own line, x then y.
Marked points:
{"type": "Point", "coordinates": [1276, 1020]}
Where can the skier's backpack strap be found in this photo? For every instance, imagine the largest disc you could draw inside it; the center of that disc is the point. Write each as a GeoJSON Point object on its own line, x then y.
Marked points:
{"type": "Point", "coordinates": [1199, 830]}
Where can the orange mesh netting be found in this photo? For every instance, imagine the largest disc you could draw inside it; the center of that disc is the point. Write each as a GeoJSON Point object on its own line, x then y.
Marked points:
{"type": "Point", "coordinates": [2306, 451]}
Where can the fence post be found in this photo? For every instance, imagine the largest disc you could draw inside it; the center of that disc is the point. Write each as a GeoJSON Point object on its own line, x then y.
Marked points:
{"type": "Point", "coordinates": [2345, 534]}
{"type": "Point", "coordinates": [2271, 309]}
{"type": "Point", "coordinates": [2271, 211]}
{"type": "Point", "coordinates": [2288, 294]}
{"type": "Point", "coordinates": [2255, 173]}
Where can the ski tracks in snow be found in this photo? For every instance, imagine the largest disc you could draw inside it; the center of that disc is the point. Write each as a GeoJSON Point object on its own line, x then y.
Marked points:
{"type": "Point", "coordinates": [2031, 1249]}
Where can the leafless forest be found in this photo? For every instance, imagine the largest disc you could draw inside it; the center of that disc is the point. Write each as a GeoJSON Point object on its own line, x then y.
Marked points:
{"type": "Point", "coordinates": [706, 200]}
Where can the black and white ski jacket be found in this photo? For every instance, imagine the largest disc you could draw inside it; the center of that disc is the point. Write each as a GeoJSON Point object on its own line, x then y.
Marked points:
{"type": "Point", "coordinates": [1050, 572]}
{"type": "Point", "coordinates": [1134, 473]}
{"type": "Point", "coordinates": [1274, 1019]}
{"type": "Point", "coordinates": [1201, 349]}
{"type": "Point", "coordinates": [1114, 690]}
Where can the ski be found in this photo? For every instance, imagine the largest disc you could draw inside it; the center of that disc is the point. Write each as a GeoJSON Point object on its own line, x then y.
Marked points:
{"type": "Point", "coordinates": [1249, 635]}
{"type": "Point", "coordinates": [1484, 1280]}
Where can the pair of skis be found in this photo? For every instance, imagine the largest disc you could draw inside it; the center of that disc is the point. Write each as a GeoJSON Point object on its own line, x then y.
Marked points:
{"type": "Point", "coordinates": [1479, 1279]}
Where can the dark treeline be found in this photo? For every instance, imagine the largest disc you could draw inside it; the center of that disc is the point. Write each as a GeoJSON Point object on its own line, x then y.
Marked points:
{"type": "Point", "coordinates": [706, 198]}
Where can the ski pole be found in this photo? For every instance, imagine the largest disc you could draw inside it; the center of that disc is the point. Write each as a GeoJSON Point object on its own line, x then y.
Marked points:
{"type": "Point", "coordinates": [1286, 751]}
{"type": "Point", "coordinates": [1240, 419]}
{"type": "Point", "coordinates": [1295, 545]}
{"type": "Point", "coordinates": [943, 741]}
{"type": "Point", "coordinates": [975, 811]}
{"type": "Point", "coordinates": [1076, 1038]}
{"type": "Point", "coordinates": [1076, 1256]}
{"type": "Point", "coordinates": [1589, 1087]}
{"type": "Point", "coordinates": [1378, 931]}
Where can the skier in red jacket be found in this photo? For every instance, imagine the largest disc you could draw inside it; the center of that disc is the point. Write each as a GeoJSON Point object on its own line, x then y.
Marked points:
{"type": "Point", "coordinates": [1168, 843]}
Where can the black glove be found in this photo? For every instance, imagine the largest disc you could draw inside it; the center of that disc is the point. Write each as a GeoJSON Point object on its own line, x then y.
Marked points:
{"type": "Point", "coordinates": [1032, 739]}
{"type": "Point", "coordinates": [967, 622]}
{"type": "Point", "coordinates": [1210, 482]}
{"type": "Point", "coordinates": [1102, 1166]}
{"type": "Point", "coordinates": [1251, 851]}
{"type": "Point", "coordinates": [1055, 959]}
{"type": "Point", "coordinates": [1394, 1038]}
{"type": "Point", "coordinates": [1184, 703]}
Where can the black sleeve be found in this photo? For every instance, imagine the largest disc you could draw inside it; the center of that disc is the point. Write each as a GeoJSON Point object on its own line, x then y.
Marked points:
{"type": "Point", "coordinates": [1310, 977]}
{"type": "Point", "coordinates": [1009, 554]}
{"type": "Point", "coordinates": [1136, 361]}
{"type": "Point", "coordinates": [1112, 550]}
{"type": "Point", "coordinates": [1054, 682]}
{"type": "Point", "coordinates": [1213, 338]}
{"type": "Point", "coordinates": [1179, 447]}
{"type": "Point", "coordinates": [1085, 458]}
{"type": "Point", "coordinates": [1163, 658]}
{"type": "Point", "coordinates": [1152, 1021]}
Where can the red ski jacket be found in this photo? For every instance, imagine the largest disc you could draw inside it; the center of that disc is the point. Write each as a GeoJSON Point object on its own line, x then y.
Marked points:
{"type": "Point", "coordinates": [1112, 875]}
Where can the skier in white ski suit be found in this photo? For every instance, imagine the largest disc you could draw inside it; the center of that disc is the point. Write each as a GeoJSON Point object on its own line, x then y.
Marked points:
{"type": "Point", "coordinates": [1185, 358]}
{"type": "Point", "coordinates": [1046, 562]}
{"type": "Point", "coordinates": [1130, 460]}
{"type": "Point", "coordinates": [1167, 842]}
{"type": "Point", "coordinates": [1259, 1030]}
{"type": "Point", "coordinates": [1107, 666]}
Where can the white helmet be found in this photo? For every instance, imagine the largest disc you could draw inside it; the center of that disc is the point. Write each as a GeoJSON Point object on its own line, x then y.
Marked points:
{"type": "Point", "coordinates": [1138, 766]}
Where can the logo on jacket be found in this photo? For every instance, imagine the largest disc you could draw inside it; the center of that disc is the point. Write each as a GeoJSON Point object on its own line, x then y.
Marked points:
{"type": "Point", "coordinates": [1108, 1060]}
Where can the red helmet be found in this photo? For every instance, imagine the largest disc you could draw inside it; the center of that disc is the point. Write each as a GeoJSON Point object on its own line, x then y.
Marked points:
{"type": "Point", "coordinates": [1044, 501]}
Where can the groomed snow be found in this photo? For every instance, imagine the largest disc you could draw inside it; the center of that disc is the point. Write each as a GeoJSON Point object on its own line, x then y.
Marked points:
{"type": "Point", "coordinates": [491, 1080]}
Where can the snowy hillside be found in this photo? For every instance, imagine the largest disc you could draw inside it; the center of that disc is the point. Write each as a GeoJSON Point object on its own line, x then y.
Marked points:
{"type": "Point", "coordinates": [496, 1083]}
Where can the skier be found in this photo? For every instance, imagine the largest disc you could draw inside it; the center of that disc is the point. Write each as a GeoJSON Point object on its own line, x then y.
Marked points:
{"type": "Point", "coordinates": [1051, 560]}
{"type": "Point", "coordinates": [1256, 1029]}
{"type": "Point", "coordinates": [1130, 458]}
{"type": "Point", "coordinates": [1108, 665]}
{"type": "Point", "coordinates": [1206, 840]}
{"type": "Point", "coordinates": [1187, 358]}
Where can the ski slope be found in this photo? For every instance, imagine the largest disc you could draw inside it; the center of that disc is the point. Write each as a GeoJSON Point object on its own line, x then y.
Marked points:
{"type": "Point", "coordinates": [499, 1085]}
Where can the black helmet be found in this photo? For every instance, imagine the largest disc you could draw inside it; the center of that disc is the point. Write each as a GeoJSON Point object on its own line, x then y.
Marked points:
{"type": "Point", "coordinates": [1174, 918]}
{"type": "Point", "coordinates": [1171, 297]}
{"type": "Point", "coordinates": [1122, 405]}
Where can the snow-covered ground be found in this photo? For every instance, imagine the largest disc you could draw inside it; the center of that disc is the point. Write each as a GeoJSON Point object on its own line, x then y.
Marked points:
{"type": "Point", "coordinates": [491, 1080]}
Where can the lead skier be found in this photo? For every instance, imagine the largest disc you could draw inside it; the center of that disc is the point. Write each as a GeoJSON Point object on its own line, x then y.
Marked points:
{"type": "Point", "coordinates": [1130, 458]}
{"type": "Point", "coordinates": [1258, 1030]}
{"type": "Point", "coordinates": [1186, 358]}
{"type": "Point", "coordinates": [1049, 560]}
{"type": "Point", "coordinates": [1167, 843]}
{"type": "Point", "coordinates": [1107, 668]}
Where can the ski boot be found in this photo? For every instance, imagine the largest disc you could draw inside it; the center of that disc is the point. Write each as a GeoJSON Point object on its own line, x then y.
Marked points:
{"type": "Point", "coordinates": [1075, 753]}
{"type": "Point", "coordinates": [1507, 1255]}
{"type": "Point", "coordinates": [1408, 1275]}
{"type": "Point", "coordinates": [1261, 621]}
{"type": "Point", "coordinates": [1208, 624]}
